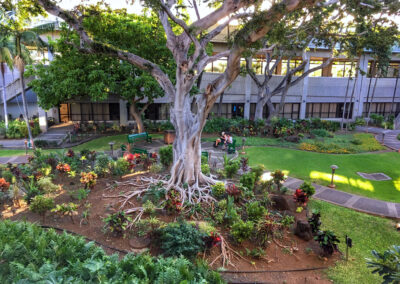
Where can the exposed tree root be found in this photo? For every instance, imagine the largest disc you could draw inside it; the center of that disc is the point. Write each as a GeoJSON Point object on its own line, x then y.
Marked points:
{"type": "Point", "coordinates": [227, 254]}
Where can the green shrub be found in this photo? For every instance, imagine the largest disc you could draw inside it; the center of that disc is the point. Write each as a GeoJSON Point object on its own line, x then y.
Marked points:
{"type": "Point", "coordinates": [248, 180]}
{"type": "Point", "coordinates": [68, 209]}
{"type": "Point", "coordinates": [287, 220]}
{"type": "Point", "coordinates": [386, 264]}
{"type": "Point", "coordinates": [205, 169]}
{"type": "Point", "coordinates": [231, 168]}
{"type": "Point", "coordinates": [218, 189]}
{"type": "Point", "coordinates": [41, 204]}
{"type": "Point", "coordinates": [120, 167]}
{"type": "Point", "coordinates": [102, 165]}
{"type": "Point", "coordinates": [166, 155]}
{"type": "Point", "coordinates": [255, 211]}
{"type": "Point", "coordinates": [307, 188]}
{"type": "Point", "coordinates": [156, 168]}
{"type": "Point", "coordinates": [46, 185]}
{"type": "Point", "coordinates": [31, 254]}
{"type": "Point", "coordinates": [181, 239]}
{"type": "Point", "coordinates": [258, 171]}
{"type": "Point", "coordinates": [321, 133]}
{"type": "Point", "coordinates": [117, 223]}
{"type": "Point", "coordinates": [242, 231]}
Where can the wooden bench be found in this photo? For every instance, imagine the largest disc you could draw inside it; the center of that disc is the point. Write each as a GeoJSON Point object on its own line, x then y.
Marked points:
{"type": "Point", "coordinates": [232, 147]}
{"type": "Point", "coordinates": [140, 136]}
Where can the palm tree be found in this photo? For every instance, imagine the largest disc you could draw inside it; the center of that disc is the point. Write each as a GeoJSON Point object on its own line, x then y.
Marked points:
{"type": "Point", "coordinates": [6, 58]}
{"type": "Point", "coordinates": [22, 39]}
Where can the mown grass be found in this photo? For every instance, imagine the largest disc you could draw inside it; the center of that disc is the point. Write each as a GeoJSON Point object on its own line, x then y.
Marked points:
{"type": "Point", "coordinates": [258, 141]}
{"type": "Point", "coordinates": [316, 167]}
{"type": "Point", "coordinates": [367, 232]}
{"type": "Point", "coordinates": [99, 144]}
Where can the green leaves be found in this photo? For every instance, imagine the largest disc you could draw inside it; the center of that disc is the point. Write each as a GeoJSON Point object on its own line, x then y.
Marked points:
{"type": "Point", "coordinates": [30, 254]}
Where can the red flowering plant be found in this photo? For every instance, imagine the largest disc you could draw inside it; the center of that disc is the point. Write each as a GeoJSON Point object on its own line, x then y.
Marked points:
{"type": "Point", "coordinates": [63, 168]}
{"type": "Point", "coordinates": [4, 185]}
{"type": "Point", "coordinates": [173, 202]}
{"type": "Point", "coordinates": [70, 153]}
{"type": "Point", "coordinates": [300, 197]}
{"type": "Point", "coordinates": [233, 190]}
{"type": "Point", "coordinates": [213, 240]}
{"type": "Point", "coordinates": [132, 159]}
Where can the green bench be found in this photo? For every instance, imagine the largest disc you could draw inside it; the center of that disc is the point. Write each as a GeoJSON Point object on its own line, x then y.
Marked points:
{"type": "Point", "coordinates": [232, 147]}
{"type": "Point", "coordinates": [140, 136]}
{"type": "Point", "coordinates": [139, 151]}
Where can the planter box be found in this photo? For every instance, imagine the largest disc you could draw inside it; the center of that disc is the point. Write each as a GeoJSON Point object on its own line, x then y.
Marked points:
{"type": "Point", "coordinates": [169, 136]}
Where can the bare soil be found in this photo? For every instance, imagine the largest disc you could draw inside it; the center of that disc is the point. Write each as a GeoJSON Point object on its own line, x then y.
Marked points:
{"type": "Point", "coordinates": [285, 253]}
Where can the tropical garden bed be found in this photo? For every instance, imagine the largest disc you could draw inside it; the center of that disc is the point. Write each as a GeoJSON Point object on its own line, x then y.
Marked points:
{"type": "Point", "coordinates": [251, 225]}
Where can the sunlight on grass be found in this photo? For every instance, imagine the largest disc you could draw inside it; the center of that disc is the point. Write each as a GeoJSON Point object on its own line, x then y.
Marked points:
{"type": "Point", "coordinates": [396, 184]}
{"type": "Point", "coordinates": [365, 185]}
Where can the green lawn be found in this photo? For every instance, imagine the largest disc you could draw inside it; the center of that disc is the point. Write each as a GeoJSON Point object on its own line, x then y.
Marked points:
{"type": "Point", "coordinates": [99, 144]}
{"type": "Point", "coordinates": [316, 167]}
{"type": "Point", "coordinates": [367, 232]}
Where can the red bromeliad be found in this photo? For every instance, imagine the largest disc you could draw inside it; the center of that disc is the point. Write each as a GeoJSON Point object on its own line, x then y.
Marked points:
{"type": "Point", "coordinates": [300, 196]}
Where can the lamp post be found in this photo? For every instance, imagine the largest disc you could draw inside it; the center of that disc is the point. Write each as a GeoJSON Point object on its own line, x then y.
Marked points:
{"type": "Point", "coordinates": [112, 148]}
{"type": "Point", "coordinates": [26, 147]}
{"type": "Point", "coordinates": [334, 168]}
{"type": "Point", "coordinates": [243, 143]}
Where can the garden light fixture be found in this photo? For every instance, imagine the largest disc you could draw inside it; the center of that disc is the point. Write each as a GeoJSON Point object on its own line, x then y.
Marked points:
{"type": "Point", "coordinates": [334, 168]}
{"type": "Point", "coordinates": [112, 148]}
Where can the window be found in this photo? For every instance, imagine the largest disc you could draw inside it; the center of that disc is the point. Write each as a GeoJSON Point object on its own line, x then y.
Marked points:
{"type": "Point", "coordinates": [391, 72]}
{"type": "Point", "coordinates": [89, 112]}
{"type": "Point", "coordinates": [384, 109]}
{"type": "Point", "coordinates": [292, 64]}
{"type": "Point", "coordinates": [313, 64]}
{"type": "Point", "coordinates": [328, 110]}
{"type": "Point", "coordinates": [155, 112]}
{"type": "Point", "coordinates": [342, 68]}
{"type": "Point", "coordinates": [218, 66]}
{"type": "Point", "coordinates": [290, 110]}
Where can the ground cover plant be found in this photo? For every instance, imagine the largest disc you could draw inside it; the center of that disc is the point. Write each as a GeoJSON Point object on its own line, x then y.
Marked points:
{"type": "Point", "coordinates": [32, 254]}
{"type": "Point", "coordinates": [316, 167]}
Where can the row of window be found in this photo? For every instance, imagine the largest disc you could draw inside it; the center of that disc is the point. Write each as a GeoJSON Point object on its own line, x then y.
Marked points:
{"type": "Point", "coordinates": [111, 111]}
{"type": "Point", "coordinates": [338, 68]}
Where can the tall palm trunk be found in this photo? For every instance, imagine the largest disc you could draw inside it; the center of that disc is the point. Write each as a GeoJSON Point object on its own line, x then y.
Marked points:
{"type": "Point", "coordinates": [345, 98]}
{"type": "Point", "coordinates": [25, 106]}
{"type": "Point", "coordinates": [2, 70]}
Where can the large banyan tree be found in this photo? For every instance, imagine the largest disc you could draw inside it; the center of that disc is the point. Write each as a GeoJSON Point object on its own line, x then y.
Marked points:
{"type": "Point", "coordinates": [187, 40]}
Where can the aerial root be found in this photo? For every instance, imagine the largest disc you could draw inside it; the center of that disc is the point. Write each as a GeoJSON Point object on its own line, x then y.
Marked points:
{"type": "Point", "coordinates": [227, 254]}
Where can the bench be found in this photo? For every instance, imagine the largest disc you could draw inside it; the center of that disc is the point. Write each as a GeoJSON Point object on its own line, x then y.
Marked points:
{"type": "Point", "coordinates": [140, 136]}
{"type": "Point", "coordinates": [232, 147]}
{"type": "Point", "coordinates": [139, 151]}
{"type": "Point", "coordinates": [205, 154]}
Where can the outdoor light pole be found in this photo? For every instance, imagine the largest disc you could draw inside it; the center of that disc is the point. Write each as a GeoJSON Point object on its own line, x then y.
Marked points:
{"type": "Point", "coordinates": [26, 147]}
{"type": "Point", "coordinates": [112, 148]}
{"type": "Point", "coordinates": [334, 168]}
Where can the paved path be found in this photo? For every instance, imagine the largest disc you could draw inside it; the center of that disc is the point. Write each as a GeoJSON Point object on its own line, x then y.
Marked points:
{"type": "Point", "coordinates": [352, 201]}
{"type": "Point", "coordinates": [390, 140]}
{"type": "Point", "coordinates": [56, 133]}
{"type": "Point", "coordinates": [14, 160]}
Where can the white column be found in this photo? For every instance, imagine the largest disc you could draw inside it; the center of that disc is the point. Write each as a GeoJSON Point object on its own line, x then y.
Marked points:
{"type": "Point", "coordinates": [247, 97]}
{"type": "Point", "coordinates": [42, 119]}
{"type": "Point", "coordinates": [123, 113]}
{"type": "Point", "coordinates": [304, 93]}
{"type": "Point", "coordinates": [360, 93]}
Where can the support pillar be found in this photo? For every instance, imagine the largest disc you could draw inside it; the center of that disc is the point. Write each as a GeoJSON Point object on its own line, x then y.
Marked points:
{"type": "Point", "coordinates": [42, 119]}
{"type": "Point", "coordinates": [360, 94]}
{"type": "Point", "coordinates": [303, 104]}
{"type": "Point", "coordinates": [123, 113]}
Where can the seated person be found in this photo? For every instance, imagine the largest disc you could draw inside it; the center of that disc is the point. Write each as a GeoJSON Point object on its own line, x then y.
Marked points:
{"type": "Point", "coordinates": [229, 139]}
{"type": "Point", "coordinates": [220, 140]}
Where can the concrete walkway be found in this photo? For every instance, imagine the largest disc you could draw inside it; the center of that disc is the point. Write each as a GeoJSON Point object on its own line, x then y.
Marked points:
{"type": "Point", "coordinates": [386, 137]}
{"type": "Point", "coordinates": [348, 200]}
